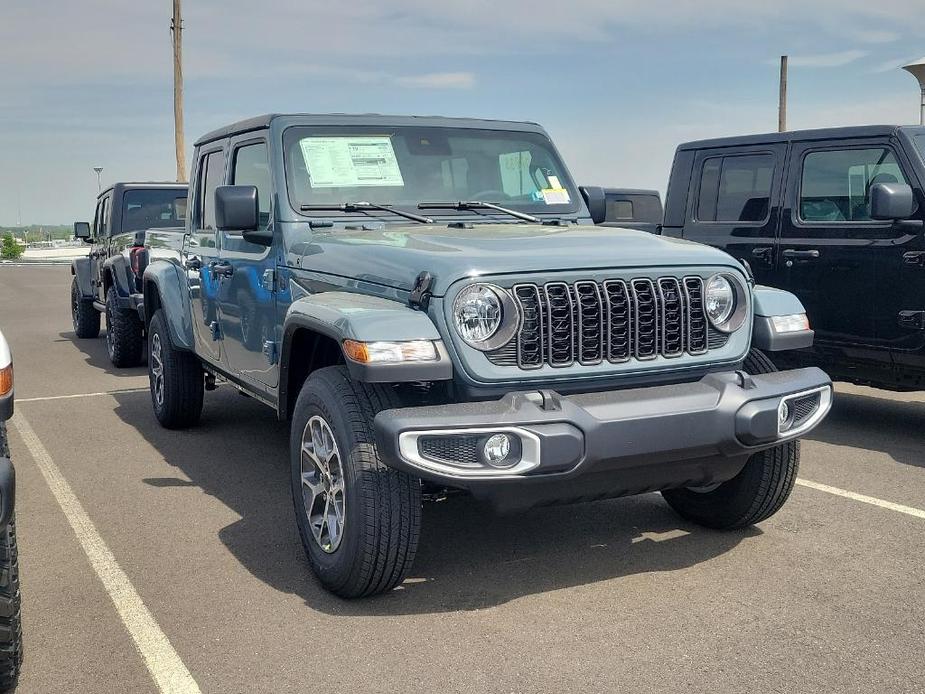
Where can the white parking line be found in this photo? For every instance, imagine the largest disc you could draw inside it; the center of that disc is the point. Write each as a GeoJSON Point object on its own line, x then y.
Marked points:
{"type": "Point", "coordinates": [872, 500]}
{"type": "Point", "coordinates": [81, 395]}
{"type": "Point", "coordinates": [168, 671]}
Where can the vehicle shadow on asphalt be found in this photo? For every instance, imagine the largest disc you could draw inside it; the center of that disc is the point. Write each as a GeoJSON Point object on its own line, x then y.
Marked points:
{"type": "Point", "coordinates": [469, 558]}
{"type": "Point", "coordinates": [894, 427]}
{"type": "Point", "coordinates": [95, 355]}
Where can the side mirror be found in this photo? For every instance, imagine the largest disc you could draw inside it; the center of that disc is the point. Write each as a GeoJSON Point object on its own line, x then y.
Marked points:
{"type": "Point", "coordinates": [596, 202]}
{"type": "Point", "coordinates": [82, 230]}
{"type": "Point", "coordinates": [891, 201]}
{"type": "Point", "coordinates": [236, 208]}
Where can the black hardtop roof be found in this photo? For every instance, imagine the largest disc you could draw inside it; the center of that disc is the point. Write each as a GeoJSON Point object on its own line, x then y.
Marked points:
{"type": "Point", "coordinates": [261, 122]}
{"type": "Point", "coordinates": [134, 185]}
{"type": "Point", "coordinates": [791, 135]}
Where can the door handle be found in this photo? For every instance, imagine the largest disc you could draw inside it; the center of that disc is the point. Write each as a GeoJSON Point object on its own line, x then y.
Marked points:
{"type": "Point", "coordinates": [222, 269]}
{"type": "Point", "coordinates": [763, 253]}
{"type": "Point", "coordinates": [800, 255]}
{"type": "Point", "coordinates": [193, 263]}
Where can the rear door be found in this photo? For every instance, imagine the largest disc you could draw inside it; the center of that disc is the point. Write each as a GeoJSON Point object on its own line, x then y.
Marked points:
{"type": "Point", "coordinates": [734, 203]}
{"type": "Point", "coordinates": [830, 249]}
{"type": "Point", "coordinates": [248, 292]}
{"type": "Point", "coordinates": [200, 253]}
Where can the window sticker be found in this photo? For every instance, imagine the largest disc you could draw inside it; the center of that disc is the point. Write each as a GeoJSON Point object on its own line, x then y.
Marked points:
{"type": "Point", "coordinates": [360, 160]}
{"type": "Point", "coordinates": [555, 196]}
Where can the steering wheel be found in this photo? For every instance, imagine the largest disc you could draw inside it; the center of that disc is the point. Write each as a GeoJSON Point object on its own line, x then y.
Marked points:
{"type": "Point", "coordinates": [490, 194]}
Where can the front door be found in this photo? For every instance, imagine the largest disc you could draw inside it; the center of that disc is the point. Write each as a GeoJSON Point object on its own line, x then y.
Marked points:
{"type": "Point", "coordinates": [102, 223]}
{"type": "Point", "coordinates": [200, 255]}
{"type": "Point", "coordinates": [248, 290]}
{"type": "Point", "coordinates": [830, 248]}
{"type": "Point", "coordinates": [734, 203]}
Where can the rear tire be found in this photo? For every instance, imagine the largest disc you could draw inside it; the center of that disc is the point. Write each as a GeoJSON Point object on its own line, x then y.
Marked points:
{"type": "Point", "coordinates": [756, 493]}
{"type": "Point", "coordinates": [175, 377]}
{"type": "Point", "coordinates": [84, 316]}
{"type": "Point", "coordinates": [369, 537]}
{"type": "Point", "coordinates": [124, 333]}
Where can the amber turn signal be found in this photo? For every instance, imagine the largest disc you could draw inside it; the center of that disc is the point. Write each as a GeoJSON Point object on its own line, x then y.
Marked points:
{"type": "Point", "coordinates": [390, 352]}
{"type": "Point", "coordinates": [6, 379]}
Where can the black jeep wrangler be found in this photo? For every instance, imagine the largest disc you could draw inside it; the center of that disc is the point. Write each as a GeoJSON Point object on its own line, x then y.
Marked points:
{"type": "Point", "coordinates": [10, 599]}
{"type": "Point", "coordinates": [834, 216]}
{"type": "Point", "coordinates": [132, 223]}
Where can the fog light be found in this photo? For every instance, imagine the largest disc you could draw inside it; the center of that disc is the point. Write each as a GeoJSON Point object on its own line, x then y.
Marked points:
{"type": "Point", "coordinates": [784, 416]}
{"type": "Point", "coordinates": [497, 448]}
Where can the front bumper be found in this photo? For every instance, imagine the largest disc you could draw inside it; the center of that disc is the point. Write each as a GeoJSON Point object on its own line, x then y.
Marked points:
{"type": "Point", "coordinates": [597, 445]}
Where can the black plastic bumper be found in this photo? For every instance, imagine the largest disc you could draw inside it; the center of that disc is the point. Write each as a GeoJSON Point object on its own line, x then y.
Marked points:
{"type": "Point", "coordinates": [599, 445]}
{"type": "Point", "coordinates": [7, 491]}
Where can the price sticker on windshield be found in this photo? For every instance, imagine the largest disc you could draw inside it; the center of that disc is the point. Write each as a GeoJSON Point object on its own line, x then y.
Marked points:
{"type": "Point", "coordinates": [355, 161]}
{"type": "Point", "coordinates": [555, 196]}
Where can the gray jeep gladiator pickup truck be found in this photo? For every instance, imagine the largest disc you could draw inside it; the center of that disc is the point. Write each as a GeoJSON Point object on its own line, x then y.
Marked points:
{"type": "Point", "coordinates": [10, 597]}
{"type": "Point", "coordinates": [429, 303]}
{"type": "Point", "coordinates": [133, 223]}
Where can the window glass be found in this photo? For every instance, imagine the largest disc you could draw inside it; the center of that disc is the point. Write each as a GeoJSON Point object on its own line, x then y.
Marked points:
{"type": "Point", "coordinates": [98, 219]}
{"type": "Point", "coordinates": [252, 168]}
{"type": "Point", "coordinates": [835, 185]}
{"type": "Point", "coordinates": [404, 165]}
{"type": "Point", "coordinates": [736, 188]}
{"type": "Point", "coordinates": [919, 141]}
{"type": "Point", "coordinates": [107, 214]}
{"type": "Point", "coordinates": [212, 178]}
{"type": "Point", "coordinates": [153, 209]}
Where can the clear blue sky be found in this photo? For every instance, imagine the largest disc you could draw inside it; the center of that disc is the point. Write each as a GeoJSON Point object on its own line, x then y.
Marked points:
{"type": "Point", "coordinates": [618, 84]}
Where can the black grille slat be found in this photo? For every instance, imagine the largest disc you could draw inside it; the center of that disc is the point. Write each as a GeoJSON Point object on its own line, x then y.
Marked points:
{"type": "Point", "coordinates": [589, 322]}
{"type": "Point", "coordinates": [453, 449]}
{"type": "Point", "coordinates": [560, 324]}
{"type": "Point", "coordinates": [672, 316]}
{"type": "Point", "coordinates": [619, 321]}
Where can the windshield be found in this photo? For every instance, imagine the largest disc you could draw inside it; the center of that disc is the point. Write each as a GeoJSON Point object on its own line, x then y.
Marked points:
{"type": "Point", "coordinates": [404, 166]}
{"type": "Point", "coordinates": [153, 209]}
{"type": "Point", "coordinates": [919, 141]}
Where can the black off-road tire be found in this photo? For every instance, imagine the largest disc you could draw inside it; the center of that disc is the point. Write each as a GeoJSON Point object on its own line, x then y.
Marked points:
{"type": "Point", "coordinates": [756, 493]}
{"type": "Point", "coordinates": [182, 378]}
{"type": "Point", "coordinates": [84, 316]}
{"type": "Point", "coordinates": [10, 599]}
{"type": "Point", "coordinates": [382, 515]}
{"type": "Point", "coordinates": [124, 333]}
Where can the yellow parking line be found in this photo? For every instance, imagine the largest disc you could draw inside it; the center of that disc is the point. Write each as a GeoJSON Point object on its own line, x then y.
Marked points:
{"type": "Point", "coordinates": [168, 671]}
{"type": "Point", "coordinates": [863, 498]}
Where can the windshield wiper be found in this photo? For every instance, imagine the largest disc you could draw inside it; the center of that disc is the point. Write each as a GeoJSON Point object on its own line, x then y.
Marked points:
{"type": "Point", "coordinates": [478, 205]}
{"type": "Point", "coordinates": [366, 206]}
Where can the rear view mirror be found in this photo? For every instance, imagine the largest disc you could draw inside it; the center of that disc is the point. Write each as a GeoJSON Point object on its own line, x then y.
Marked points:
{"type": "Point", "coordinates": [891, 201]}
{"type": "Point", "coordinates": [596, 202]}
{"type": "Point", "coordinates": [81, 230]}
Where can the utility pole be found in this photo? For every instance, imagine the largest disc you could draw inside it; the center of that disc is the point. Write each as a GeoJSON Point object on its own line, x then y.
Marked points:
{"type": "Point", "coordinates": [176, 30]}
{"type": "Point", "coordinates": [782, 99]}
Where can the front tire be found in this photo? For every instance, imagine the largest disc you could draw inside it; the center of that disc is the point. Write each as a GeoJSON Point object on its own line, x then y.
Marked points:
{"type": "Point", "coordinates": [175, 378]}
{"type": "Point", "coordinates": [358, 519]}
{"type": "Point", "coordinates": [124, 333]}
{"type": "Point", "coordinates": [85, 318]}
{"type": "Point", "coordinates": [10, 598]}
{"type": "Point", "coordinates": [756, 493]}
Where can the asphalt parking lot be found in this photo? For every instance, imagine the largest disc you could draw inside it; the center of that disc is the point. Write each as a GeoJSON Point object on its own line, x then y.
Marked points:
{"type": "Point", "coordinates": [186, 541]}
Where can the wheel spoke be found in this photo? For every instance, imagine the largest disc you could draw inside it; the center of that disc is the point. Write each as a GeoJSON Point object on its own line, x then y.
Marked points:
{"type": "Point", "coordinates": [322, 478]}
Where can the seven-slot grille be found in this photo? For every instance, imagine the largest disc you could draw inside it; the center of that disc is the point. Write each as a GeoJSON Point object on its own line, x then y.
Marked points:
{"type": "Point", "coordinates": [589, 322]}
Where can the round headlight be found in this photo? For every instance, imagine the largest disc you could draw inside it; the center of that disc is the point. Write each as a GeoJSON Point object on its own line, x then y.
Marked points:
{"type": "Point", "coordinates": [725, 303]}
{"type": "Point", "coordinates": [485, 316]}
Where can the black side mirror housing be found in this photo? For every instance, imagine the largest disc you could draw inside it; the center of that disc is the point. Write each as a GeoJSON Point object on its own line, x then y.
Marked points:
{"type": "Point", "coordinates": [596, 202]}
{"type": "Point", "coordinates": [82, 230]}
{"type": "Point", "coordinates": [236, 208]}
{"type": "Point", "coordinates": [891, 201]}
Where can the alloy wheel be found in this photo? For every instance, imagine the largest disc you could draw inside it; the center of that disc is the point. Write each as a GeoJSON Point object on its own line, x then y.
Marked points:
{"type": "Point", "coordinates": [322, 484]}
{"type": "Point", "coordinates": [157, 370]}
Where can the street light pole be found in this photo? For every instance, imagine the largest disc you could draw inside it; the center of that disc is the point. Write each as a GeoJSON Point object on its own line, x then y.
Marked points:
{"type": "Point", "coordinates": [99, 178]}
{"type": "Point", "coordinates": [917, 70]}
{"type": "Point", "coordinates": [176, 30]}
{"type": "Point", "coordinates": [782, 97]}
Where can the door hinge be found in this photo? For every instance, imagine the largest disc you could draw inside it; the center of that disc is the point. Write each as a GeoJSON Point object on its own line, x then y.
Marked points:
{"type": "Point", "coordinates": [268, 281]}
{"type": "Point", "coordinates": [420, 292]}
{"type": "Point", "coordinates": [270, 352]}
{"type": "Point", "coordinates": [915, 258]}
{"type": "Point", "coordinates": [914, 320]}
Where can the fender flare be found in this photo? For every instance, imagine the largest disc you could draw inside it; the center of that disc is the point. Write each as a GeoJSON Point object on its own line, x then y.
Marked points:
{"type": "Point", "coordinates": [346, 316]}
{"type": "Point", "coordinates": [164, 288]}
{"type": "Point", "coordinates": [80, 269]}
{"type": "Point", "coordinates": [770, 302]}
{"type": "Point", "coordinates": [117, 268]}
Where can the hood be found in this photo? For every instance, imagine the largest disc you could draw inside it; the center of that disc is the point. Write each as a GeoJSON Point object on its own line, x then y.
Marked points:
{"type": "Point", "coordinates": [396, 254]}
